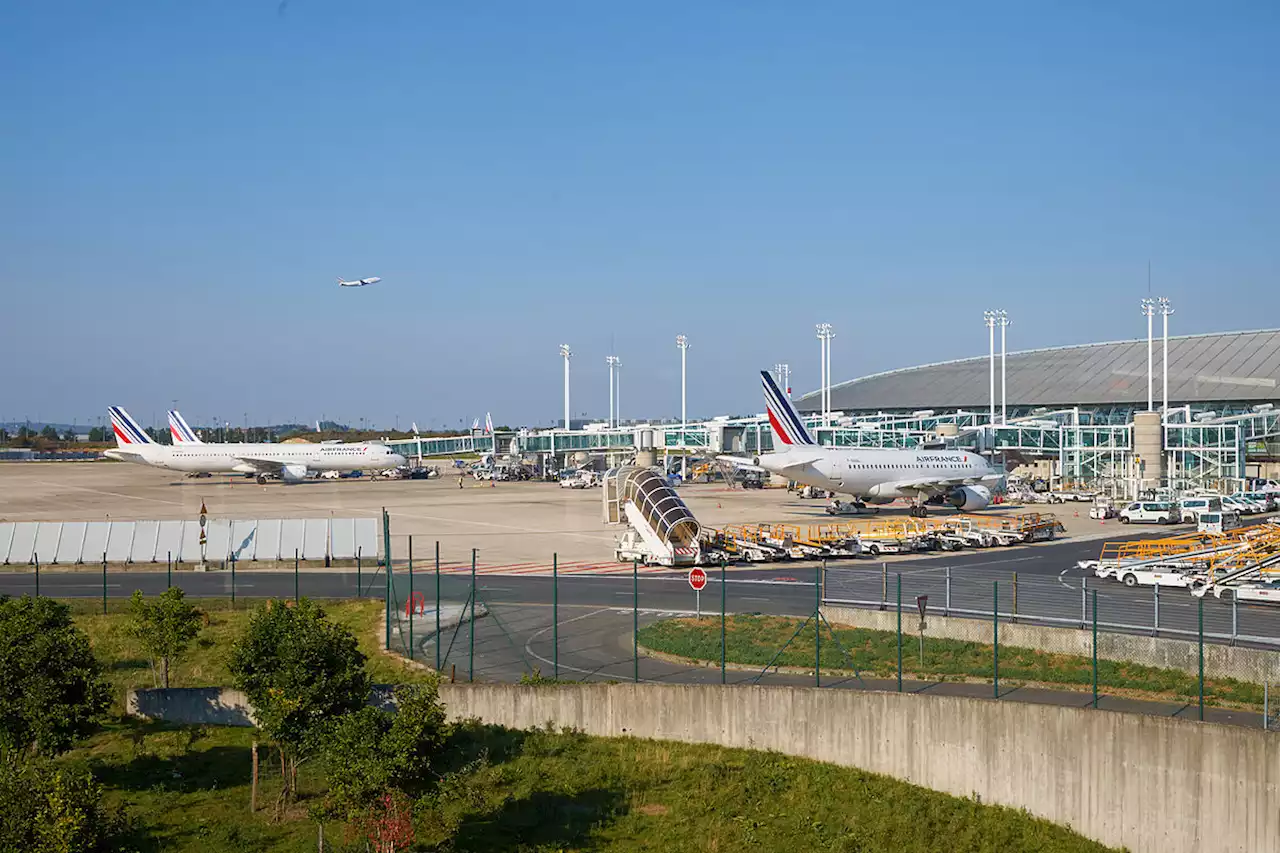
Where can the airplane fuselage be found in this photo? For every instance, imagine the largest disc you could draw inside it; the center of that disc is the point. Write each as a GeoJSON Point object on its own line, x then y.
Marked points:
{"type": "Point", "coordinates": [241, 458]}
{"type": "Point", "coordinates": [876, 475]}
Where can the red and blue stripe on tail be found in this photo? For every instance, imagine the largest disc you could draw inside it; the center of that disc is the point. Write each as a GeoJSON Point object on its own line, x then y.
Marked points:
{"type": "Point", "coordinates": [126, 428]}
{"type": "Point", "coordinates": [788, 428]}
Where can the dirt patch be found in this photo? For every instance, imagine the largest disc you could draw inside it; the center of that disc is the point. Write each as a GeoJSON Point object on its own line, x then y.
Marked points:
{"type": "Point", "coordinates": [653, 809]}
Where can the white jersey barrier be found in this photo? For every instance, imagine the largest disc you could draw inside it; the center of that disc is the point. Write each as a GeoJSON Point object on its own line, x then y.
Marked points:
{"type": "Point", "coordinates": [263, 540]}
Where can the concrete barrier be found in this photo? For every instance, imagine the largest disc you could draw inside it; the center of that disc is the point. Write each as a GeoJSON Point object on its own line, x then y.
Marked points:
{"type": "Point", "coordinates": [1152, 784]}
{"type": "Point", "coordinates": [1255, 665]}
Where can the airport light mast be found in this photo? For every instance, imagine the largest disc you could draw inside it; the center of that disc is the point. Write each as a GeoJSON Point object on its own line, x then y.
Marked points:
{"type": "Point", "coordinates": [566, 354]}
{"type": "Point", "coordinates": [1149, 309]}
{"type": "Point", "coordinates": [1003, 320]}
{"type": "Point", "coordinates": [1165, 311]}
{"type": "Point", "coordinates": [989, 317]}
{"type": "Point", "coordinates": [683, 343]}
{"type": "Point", "coordinates": [825, 334]}
{"type": "Point", "coordinates": [613, 361]}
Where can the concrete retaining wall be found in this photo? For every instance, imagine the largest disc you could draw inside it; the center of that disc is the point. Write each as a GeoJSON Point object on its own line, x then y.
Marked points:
{"type": "Point", "coordinates": [1152, 784]}
{"type": "Point", "coordinates": [1254, 665]}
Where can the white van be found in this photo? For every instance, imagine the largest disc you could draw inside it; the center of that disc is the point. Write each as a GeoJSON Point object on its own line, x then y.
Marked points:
{"type": "Point", "coordinates": [1217, 522]}
{"type": "Point", "coordinates": [1148, 512]}
{"type": "Point", "coordinates": [1190, 508]}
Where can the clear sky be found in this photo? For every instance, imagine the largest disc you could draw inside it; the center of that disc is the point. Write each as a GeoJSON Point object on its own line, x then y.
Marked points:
{"type": "Point", "coordinates": [181, 184]}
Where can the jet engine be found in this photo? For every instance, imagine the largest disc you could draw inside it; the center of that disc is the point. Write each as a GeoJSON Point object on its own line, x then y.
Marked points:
{"type": "Point", "coordinates": [296, 473]}
{"type": "Point", "coordinates": [881, 493]}
{"type": "Point", "coordinates": [969, 498]}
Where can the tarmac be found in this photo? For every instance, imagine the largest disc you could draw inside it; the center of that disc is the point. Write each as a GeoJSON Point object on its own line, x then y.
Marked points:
{"type": "Point", "coordinates": [513, 526]}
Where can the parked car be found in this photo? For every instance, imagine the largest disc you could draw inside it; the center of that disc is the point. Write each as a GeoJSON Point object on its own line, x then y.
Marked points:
{"type": "Point", "coordinates": [1217, 522]}
{"type": "Point", "coordinates": [1269, 500]}
{"type": "Point", "coordinates": [1140, 512]}
{"type": "Point", "coordinates": [351, 475]}
{"type": "Point", "coordinates": [330, 475]}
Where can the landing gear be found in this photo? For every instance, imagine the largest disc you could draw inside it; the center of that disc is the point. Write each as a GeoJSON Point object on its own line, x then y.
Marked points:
{"type": "Point", "coordinates": [262, 481]}
{"type": "Point", "coordinates": [920, 511]}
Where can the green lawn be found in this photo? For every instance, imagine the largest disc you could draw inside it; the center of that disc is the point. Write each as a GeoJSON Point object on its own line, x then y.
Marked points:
{"type": "Point", "coordinates": [755, 640]}
{"type": "Point", "coordinates": [205, 663]}
{"type": "Point", "coordinates": [188, 790]}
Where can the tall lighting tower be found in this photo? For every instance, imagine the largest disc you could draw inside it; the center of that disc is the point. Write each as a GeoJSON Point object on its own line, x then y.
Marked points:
{"type": "Point", "coordinates": [566, 354]}
{"type": "Point", "coordinates": [1149, 309]}
{"type": "Point", "coordinates": [1165, 311]}
{"type": "Point", "coordinates": [683, 344]}
{"type": "Point", "coordinates": [825, 334]}
{"type": "Point", "coordinates": [1003, 320]}
{"type": "Point", "coordinates": [613, 361]}
{"type": "Point", "coordinates": [989, 317]}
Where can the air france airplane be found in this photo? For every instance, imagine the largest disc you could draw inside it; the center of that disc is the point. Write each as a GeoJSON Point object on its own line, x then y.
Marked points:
{"type": "Point", "coordinates": [292, 463]}
{"type": "Point", "coordinates": [360, 282]}
{"type": "Point", "coordinates": [182, 434]}
{"type": "Point", "coordinates": [871, 475]}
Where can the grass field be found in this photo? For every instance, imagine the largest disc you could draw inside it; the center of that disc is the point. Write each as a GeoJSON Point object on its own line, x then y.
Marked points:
{"type": "Point", "coordinates": [756, 640]}
{"type": "Point", "coordinates": [188, 790]}
{"type": "Point", "coordinates": [205, 663]}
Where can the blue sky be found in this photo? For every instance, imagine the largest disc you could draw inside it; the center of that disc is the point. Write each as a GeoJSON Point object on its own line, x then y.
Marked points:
{"type": "Point", "coordinates": [182, 184]}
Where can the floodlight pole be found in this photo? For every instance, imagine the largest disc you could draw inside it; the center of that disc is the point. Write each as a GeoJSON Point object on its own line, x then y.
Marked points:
{"type": "Point", "coordinates": [1165, 311]}
{"type": "Point", "coordinates": [683, 343]}
{"type": "Point", "coordinates": [566, 354]}
{"type": "Point", "coordinates": [1004, 397]}
{"type": "Point", "coordinates": [989, 317]}
{"type": "Point", "coordinates": [612, 361]}
{"type": "Point", "coordinates": [1149, 309]}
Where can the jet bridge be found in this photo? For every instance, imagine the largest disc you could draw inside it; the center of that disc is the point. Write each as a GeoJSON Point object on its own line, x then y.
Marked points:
{"type": "Point", "coordinates": [661, 529]}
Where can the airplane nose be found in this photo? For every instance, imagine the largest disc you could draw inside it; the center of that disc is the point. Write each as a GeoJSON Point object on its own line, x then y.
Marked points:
{"type": "Point", "coordinates": [399, 460]}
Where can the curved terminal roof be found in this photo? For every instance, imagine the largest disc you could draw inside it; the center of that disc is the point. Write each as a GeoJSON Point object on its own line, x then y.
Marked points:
{"type": "Point", "coordinates": [1228, 366]}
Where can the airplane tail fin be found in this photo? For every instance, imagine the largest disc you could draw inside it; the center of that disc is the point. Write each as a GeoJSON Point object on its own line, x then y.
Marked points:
{"type": "Point", "coordinates": [788, 427]}
{"type": "Point", "coordinates": [182, 434]}
{"type": "Point", "coordinates": [127, 430]}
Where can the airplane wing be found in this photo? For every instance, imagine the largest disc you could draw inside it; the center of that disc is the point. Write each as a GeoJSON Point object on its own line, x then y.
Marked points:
{"type": "Point", "coordinates": [262, 466]}
{"type": "Point", "coordinates": [741, 462]}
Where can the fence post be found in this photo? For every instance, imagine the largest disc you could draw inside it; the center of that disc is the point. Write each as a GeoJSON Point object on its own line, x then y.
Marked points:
{"type": "Point", "coordinates": [946, 609]}
{"type": "Point", "coordinates": [555, 615]}
{"type": "Point", "coordinates": [1266, 704]}
{"type": "Point", "coordinates": [437, 641]}
{"type": "Point", "coordinates": [411, 604]}
{"type": "Point", "coordinates": [104, 583]}
{"type": "Point", "coordinates": [36, 558]}
{"type": "Point", "coordinates": [899, 632]}
{"type": "Point", "coordinates": [168, 569]}
{"type": "Point", "coordinates": [359, 573]}
{"type": "Point", "coordinates": [1095, 648]}
{"type": "Point", "coordinates": [471, 653]}
{"type": "Point", "coordinates": [1200, 648]}
{"type": "Point", "coordinates": [295, 575]}
{"type": "Point", "coordinates": [884, 585]}
{"type": "Point", "coordinates": [1084, 602]}
{"type": "Point", "coordinates": [995, 636]}
{"type": "Point", "coordinates": [233, 580]}
{"type": "Point", "coordinates": [817, 629]}
{"type": "Point", "coordinates": [386, 549]}
{"type": "Point", "coordinates": [1155, 627]}
{"type": "Point", "coordinates": [635, 620]}
{"type": "Point", "coordinates": [723, 595]}
{"type": "Point", "coordinates": [1235, 617]}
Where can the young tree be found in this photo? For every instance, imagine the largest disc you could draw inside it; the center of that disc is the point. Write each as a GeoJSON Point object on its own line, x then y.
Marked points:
{"type": "Point", "coordinates": [50, 432]}
{"type": "Point", "coordinates": [300, 672]}
{"type": "Point", "coordinates": [51, 686]}
{"type": "Point", "coordinates": [372, 752]}
{"type": "Point", "coordinates": [165, 626]}
{"type": "Point", "coordinates": [47, 808]}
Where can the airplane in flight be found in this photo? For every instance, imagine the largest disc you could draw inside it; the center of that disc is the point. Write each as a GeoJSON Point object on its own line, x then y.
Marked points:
{"type": "Point", "coordinates": [359, 282]}
{"type": "Point", "coordinates": [291, 462]}
{"type": "Point", "coordinates": [963, 478]}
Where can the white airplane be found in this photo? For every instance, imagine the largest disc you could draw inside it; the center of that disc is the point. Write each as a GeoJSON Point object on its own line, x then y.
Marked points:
{"type": "Point", "coordinates": [182, 434]}
{"type": "Point", "coordinates": [290, 462]}
{"type": "Point", "coordinates": [359, 282]}
{"type": "Point", "coordinates": [870, 475]}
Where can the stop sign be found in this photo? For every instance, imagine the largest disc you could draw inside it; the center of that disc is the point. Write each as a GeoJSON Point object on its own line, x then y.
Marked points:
{"type": "Point", "coordinates": [697, 579]}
